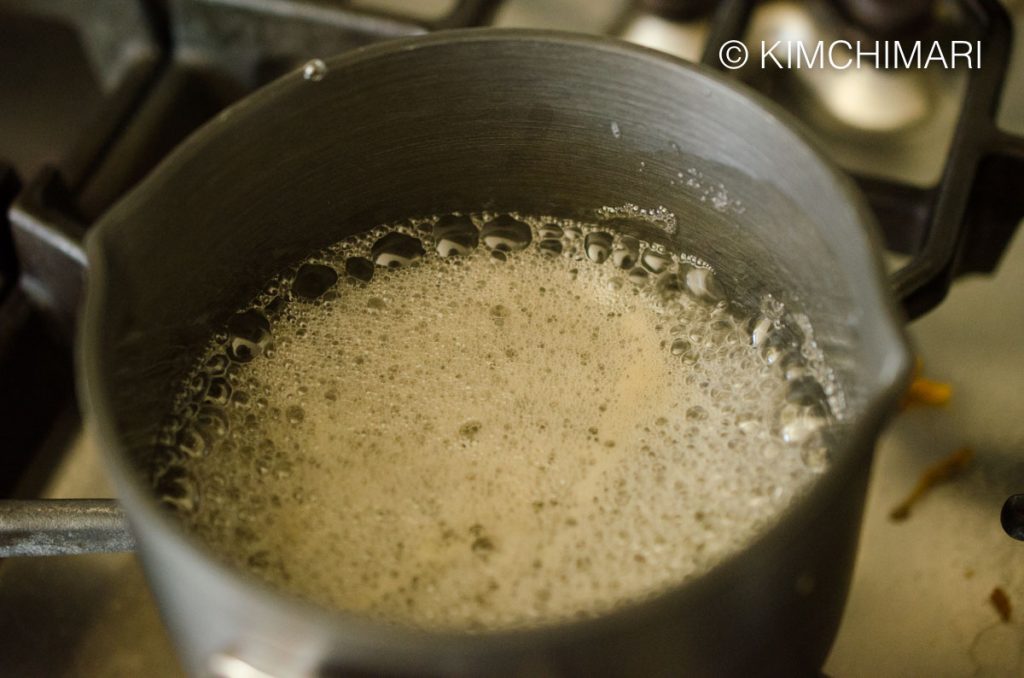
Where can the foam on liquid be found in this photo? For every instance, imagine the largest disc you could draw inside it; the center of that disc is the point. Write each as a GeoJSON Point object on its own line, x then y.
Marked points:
{"type": "Point", "coordinates": [475, 443]}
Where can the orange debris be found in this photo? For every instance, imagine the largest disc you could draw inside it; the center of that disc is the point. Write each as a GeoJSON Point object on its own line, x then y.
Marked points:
{"type": "Point", "coordinates": [946, 469]}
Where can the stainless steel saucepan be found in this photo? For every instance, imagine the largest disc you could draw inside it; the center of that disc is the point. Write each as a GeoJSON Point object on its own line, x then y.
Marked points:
{"type": "Point", "coordinates": [537, 122]}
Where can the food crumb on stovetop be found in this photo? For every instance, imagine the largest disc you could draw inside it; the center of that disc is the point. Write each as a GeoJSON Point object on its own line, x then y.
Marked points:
{"type": "Point", "coordinates": [1001, 602]}
{"type": "Point", "coordinates": [946, 469]}
{"type": "Point", "coordinates": [925, 391]}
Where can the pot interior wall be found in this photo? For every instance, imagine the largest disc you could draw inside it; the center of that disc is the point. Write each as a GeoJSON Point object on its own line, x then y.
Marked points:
{"type": "Point", "coordinates": [535, 125]}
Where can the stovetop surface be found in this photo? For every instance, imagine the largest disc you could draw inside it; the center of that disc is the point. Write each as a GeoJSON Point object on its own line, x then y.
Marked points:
{"type": "Point", "coordinates": [920, 598]}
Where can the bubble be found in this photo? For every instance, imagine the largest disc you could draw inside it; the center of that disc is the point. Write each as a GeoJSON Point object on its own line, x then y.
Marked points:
{"type": "Point", "coordinates": [550, 231]}
{"type": "Point", "coordinates": [625, 253]}
{"type": "Point", "coordinates": [807, 392]}
{"type": "Point", "coordinates": [211, 423]}
{"type": "Point", "coordinates": [696, 413]}
{"type": "Point", "coordinates": [506, 234]}
{"type": "Point", "coordinates": [193, 442]}
{"type": "Point", "coordinates": [747, 423]}
{"type": "Point", "coordinates": [795, 372]}
{"type": "Point", "coordinates": [218, 391]}
{"type": "Point", "coordinates": [312, 280]}
{"type": "Point", "coordinates": [248, 335]}
{"type": "Point", "coordinates": [702, 283]}
{"type": "Point", "coordinates": [760, 331]}
{"type": "Point", "coordinates": [163, 456]}
{"type": "Point", "coordinates": [455, 235]}
{"type": "Point", "coordinates": [274, 307]}
{"type": "Point", "coordinates": [216, 364]}
{"type": "Point", "coordinates": [655, 261]}
{"type": "Point", "coordinates": [798, 423]}
{"type": "Point", "coordinates": [359, 268]}
{"type": "Point", "coordinates": [638, 276]}
{"type": "Point", "coordinates": [177, 489]}
{"type": "Point", "coordinates": [550, 246]}
{"type": "Point", "coordinates": [681, 347]}
{"type": "Point", "coordinates": [396, 250]}
{"type": "Point", "coordinates": [598, 246]}
{"type": "Point", "coordinates": [815, 457]}
{"type": "Point", "coordinates": [670, 286]}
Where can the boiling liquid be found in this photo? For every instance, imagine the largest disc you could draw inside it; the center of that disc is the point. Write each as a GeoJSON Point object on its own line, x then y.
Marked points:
{"type": "Point", "coordinates": [477, 436]}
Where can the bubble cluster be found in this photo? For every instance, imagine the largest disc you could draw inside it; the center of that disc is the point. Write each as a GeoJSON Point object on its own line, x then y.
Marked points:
{"type": "Point", "coordinates": [488, 421]}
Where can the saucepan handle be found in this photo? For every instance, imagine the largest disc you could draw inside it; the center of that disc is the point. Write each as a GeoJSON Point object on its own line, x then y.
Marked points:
{"type": "Point", "coordinates": [61, 527]}
{"type": "Point", "coordinates": [49, 243]}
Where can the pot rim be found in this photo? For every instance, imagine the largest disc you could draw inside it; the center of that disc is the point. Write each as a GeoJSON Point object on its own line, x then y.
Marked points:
{"type": "Point", "coordinates": [366, 633]}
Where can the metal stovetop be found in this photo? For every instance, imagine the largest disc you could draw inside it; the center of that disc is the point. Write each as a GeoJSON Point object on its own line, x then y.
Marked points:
{"type": "Point", "coordinates": [920, 598]}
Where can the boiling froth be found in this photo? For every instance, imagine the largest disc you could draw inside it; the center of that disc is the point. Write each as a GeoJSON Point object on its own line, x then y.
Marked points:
{"type": "Point", "coordinates": [452, 428]}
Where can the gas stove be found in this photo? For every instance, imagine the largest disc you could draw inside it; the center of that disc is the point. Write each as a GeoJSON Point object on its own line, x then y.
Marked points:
{"type": "Point", "coordinates": [95, 94]}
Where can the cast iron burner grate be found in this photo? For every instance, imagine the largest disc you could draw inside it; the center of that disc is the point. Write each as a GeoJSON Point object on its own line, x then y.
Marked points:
{"type": "Point", "coordinates": [963, 223]}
